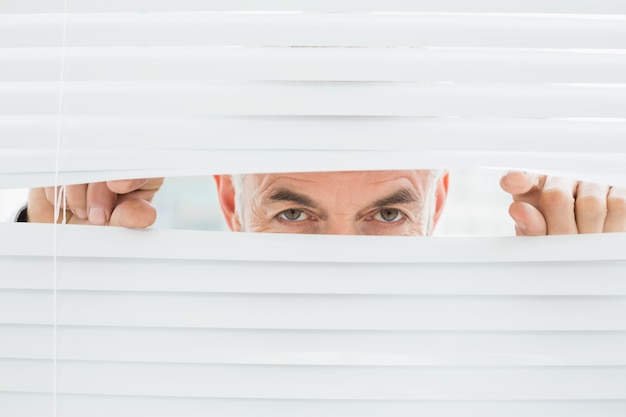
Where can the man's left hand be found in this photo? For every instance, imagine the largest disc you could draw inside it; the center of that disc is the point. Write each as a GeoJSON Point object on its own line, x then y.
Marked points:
{"type": "Point", "coordinates": [547, 205]}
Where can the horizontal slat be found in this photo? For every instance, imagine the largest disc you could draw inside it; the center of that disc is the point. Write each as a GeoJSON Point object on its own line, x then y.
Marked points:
{"type": "Point", "coordinates": [314, 99]}
{"type": "Point", "coordinates": [19, 404]}
{"type": "Point", "coordinates": [27, 342]}
{"type": "Point", "coordinates": [299, 347]}
{"type": "Point", "coordinates": [313, 64]}
{"type": "Point", "coordinates": [331, 382]}
{"type": "Point", "coordinates": [161, 164]}
{"type": "Point", "coordinates": [35, 376]}
{"type": "Point", "coordinates": [339, 312]}
{"type": "Point", "coordinates": [26, 272]}
{"type": "Point", "coordinates": [22, 405]}
{"type": "Point", "coordinates": [315, 29]}
{"type": "Point", "coordinates": [112, 242]}
{"type": "Point", "coordinates": [197, 99]}
{"type": "Point", "coordinates": [313, 133]}
{"type": "Point", "coordinates": [529, 6]}
{"type": "Point", "coordinates": [419, 278]}
{"type": "Point", "coordinates": [28, 405]}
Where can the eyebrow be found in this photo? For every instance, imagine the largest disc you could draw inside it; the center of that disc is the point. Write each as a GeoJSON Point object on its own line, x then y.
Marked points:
{"type": "Point", "coordinates": [285, 194]}
{"type": "Point", "coordinates": [401, 196]}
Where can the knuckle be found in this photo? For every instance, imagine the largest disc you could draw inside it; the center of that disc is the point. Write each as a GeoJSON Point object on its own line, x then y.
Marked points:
{"type": "Point", "coordinates": [555, 199]}
{"type": "Point", "coordinates": [591, 206]}
{"type": "Point", "coordinates": [617, 204]}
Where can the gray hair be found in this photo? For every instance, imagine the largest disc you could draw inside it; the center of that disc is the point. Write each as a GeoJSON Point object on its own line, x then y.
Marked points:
{"type": "Point", "coordinates": [237, 181]}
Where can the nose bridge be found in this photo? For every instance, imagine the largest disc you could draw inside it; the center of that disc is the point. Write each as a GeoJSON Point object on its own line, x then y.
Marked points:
{"type": "Point", "coordinates": [344, 225]}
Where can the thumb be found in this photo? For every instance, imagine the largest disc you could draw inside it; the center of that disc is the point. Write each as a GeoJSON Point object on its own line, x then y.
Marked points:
{"type": "Point", "coordinates": [133, 213]}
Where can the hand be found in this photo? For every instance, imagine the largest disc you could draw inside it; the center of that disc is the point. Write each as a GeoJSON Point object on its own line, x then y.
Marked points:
{"type": "Point", "coordinates": [117, 203]}
{"type": "Point", "coordinates": [544, 205]}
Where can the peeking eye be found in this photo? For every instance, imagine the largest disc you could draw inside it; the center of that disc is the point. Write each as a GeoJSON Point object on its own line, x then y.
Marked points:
{"type": "Point", "coordinates": [293, 215]}
{"type": "Point", "coordinates": [388, 215]}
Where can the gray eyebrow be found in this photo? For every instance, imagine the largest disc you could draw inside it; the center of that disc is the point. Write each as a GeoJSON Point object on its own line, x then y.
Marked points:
{"type": "Point", "coordinates": [401, 196]}
{"type": "Point", "coordinates": [285, 194]}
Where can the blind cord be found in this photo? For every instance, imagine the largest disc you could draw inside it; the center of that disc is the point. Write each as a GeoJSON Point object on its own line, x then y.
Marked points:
{"type": "Point", "coordinates": [59, 200]}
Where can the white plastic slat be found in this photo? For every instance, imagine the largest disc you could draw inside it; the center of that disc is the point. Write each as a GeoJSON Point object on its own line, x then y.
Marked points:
{"type": "Point", "coordinates": [350, 99]}
{"type": "Point", "coordinates": [340, 312]}
{"type": "Point", "coordinates": [301, 347]}
{"type": "Point", "coordinates": [75, 168]}
{"type": "Point", "coordinates": [112, 242]}
{"type": "Point", "coordinates": [26, 342]}
{"type": "Point", "coordinates": [29, 272]}
{"type": "Point", "coordinates": [529, 6]}
{"type": "Point", "coordinates": [198, 99]}
{"type": "Point", "coordinates": [315, 64]}
{"type": "Point", "coordinates": [277, 133]}
{"type": "Point", "coordinates": [27, 405]}
{"type": "Point", "coordinates": [545, 278]}
{"type": "Point", "coordinates": [20, 404]}
{"type": "Point", "coordinates": [306, 29]}
{"type": "Point", "coordinates": [330, 382]}
{"type": "Point", "coordinates": [420, 278]}
{"type": "Point", "coordinates": [22, 375]}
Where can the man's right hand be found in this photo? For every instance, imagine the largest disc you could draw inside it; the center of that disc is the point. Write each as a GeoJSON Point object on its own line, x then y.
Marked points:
{"type": "Point", "coordinates": [116, 203]}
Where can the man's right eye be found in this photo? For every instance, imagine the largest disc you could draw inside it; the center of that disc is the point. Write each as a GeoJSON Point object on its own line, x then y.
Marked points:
{"type": "Point", "coordinates": [293, 215]}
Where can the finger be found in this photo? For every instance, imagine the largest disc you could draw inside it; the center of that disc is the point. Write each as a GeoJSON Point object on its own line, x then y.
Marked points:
{"type": "Point", "coordinates": [42, 205]}
{"type": "Point", "coordinates": [556, 203]}
{"type": "Point", "coordinates": [100, 203]}
{"type": "Point", "coordinates": [518, 182]}
{"type": "Point", "coordinates": [616, 210]}
{"type": "Point", "coordinates": [51, 194]}
{"type": "Point", "coordinates": [39, 208]}
{"type": "Point", "coordinates": [590, 207]}
{"type": "Point", "coordinates": [528, 219]}
{"type": "Point", "coordinates": [76, 197]}
{"type": "Point", "coordinates": [135, 213]}
{"type": "Point", "coordinates": [126, 186]}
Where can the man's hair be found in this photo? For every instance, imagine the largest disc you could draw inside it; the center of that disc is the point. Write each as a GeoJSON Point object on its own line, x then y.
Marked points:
{"type": "Point", "coordinates": [238, 180]}
{"type": "Point", "coordinates": [429, 204]}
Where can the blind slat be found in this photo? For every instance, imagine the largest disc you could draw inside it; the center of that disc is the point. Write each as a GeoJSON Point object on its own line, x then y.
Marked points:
{"type": "Point", "coordinates": [296, 29]}
{"type": "Point", "coordinates": [277, 133]}
{"type": "Point", "coordinates": [27, 405]}
{"type": "Point", "coordinates": [529, 6]}
{"type": "Point", "coordinates": [301, 347]}
{"type": "Point", "coordinates": [314, 64]}
{"type": "Point", "coordinates": [315, 99]}
{"type": "Point", "coordinates": [269, 311]}
{"type": "Point", "coordinates": [310, 277]}
{"type": "Point", "coordinates": [345, 383]}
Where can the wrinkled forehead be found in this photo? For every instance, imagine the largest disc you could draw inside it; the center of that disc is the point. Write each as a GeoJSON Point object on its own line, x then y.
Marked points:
{"type": "Point", "coordinates": [352, 182]}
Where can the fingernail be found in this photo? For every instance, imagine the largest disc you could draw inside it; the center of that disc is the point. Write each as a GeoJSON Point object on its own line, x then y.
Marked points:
{"type": "Point", "coordinates": [521, 227]}
{"type": "Point", "coordinates": [97, 216]}
{"type": "Point", "coordinates": [81, 213]}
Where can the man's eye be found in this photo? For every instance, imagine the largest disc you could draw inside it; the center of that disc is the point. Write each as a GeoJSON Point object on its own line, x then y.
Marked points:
{"type": "Point", "coordinates": [293, 215]}
{"type": "Point", "coordinates": [388, 215]}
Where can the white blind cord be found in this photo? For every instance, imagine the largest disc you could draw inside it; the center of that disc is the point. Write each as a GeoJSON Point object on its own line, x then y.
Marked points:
{"type": "Point", "coordinates": [59, 200]}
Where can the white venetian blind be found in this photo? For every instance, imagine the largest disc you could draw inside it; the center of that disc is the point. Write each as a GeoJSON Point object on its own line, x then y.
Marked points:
{"type": "Point", "coordinates": [100, 321]}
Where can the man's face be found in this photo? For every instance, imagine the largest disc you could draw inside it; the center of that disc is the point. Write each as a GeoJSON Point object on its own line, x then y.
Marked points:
{"type": "Point", "coordinates": [356, 203]}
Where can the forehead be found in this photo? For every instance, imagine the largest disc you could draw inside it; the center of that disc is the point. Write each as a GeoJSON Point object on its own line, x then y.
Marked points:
{"type": "Point", "coordinates": [354, 181]}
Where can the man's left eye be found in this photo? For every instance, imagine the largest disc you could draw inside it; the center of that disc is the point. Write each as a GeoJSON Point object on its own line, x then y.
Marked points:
{"type": "Point", "coordinates": [388, 215]}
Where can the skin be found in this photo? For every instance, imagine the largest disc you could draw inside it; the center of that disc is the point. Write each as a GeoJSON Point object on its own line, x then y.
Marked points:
{"type": "Point", "coordinates": [348, 203]}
